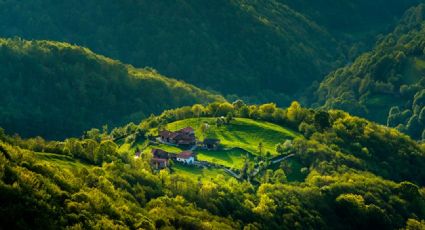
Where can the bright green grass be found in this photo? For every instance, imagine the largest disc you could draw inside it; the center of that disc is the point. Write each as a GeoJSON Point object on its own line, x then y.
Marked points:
{"type": "Point", "coordinates": [60, 160]}
{"type": "Point", "coordinates": [126, 147]}
{"type": "Point", "coordinates": [195, 172]}
{"type": "Point", "coordinates": [231, 158]}
{"type": "Point", "coordinates": [241, 133]}
{"type": "Point", "coordinates": [168, 148]}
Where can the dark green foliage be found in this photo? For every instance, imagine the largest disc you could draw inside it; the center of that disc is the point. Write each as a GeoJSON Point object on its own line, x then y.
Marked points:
{"type": "Point", "coordinates": [57, 90]}
{"type": "Point", "coordinates": [262, 50]}
{"type": "Point", "coordinates": [355, 176]}
{"type": "Point", "coordinates": [386, 84]}
{"type": "Point", "coordinates": [231, 46]}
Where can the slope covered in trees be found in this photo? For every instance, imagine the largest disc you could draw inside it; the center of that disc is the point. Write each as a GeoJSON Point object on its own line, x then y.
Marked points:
{"type": "Point", "coordinates": [211, 44]}
{"type": "Point", "coordinates": [357, 175]}
{"type": "Point", "coordinates": [386, 84]}
{"type": "Point", "coordinates": [352, 19]}
{"type": "Point", "coordinates": [275, 49]}
{"type": "Point", "coordinates": [57, 90]}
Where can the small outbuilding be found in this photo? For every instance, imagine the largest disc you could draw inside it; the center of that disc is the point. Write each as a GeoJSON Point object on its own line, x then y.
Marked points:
{"type": "Point", "coordinates": [159, 163]}
{"type": "Point", "coordinates": [210, 144]}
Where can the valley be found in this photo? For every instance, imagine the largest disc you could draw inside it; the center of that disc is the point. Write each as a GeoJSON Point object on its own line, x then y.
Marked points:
{"type": "Point", "coordinates": [224, 114]}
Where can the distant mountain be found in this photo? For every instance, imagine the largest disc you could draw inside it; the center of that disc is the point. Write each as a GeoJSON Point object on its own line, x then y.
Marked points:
{"type": "Point", "coordinates": [231, 46]}
{"type": "Point", "coordinates": [57, 90]}
{"type": "Point", "coordinates": [386, 84]}
{"type": "Point", "coordinates": [266, 50]}
{"type": "Point", "coordinates": [352, 17]}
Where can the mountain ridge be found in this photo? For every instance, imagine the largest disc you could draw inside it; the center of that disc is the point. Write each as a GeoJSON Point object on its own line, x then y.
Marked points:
{"type": "Point", "coordinates": [57, 90]}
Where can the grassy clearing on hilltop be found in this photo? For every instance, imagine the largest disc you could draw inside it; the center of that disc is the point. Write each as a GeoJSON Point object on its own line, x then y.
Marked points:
{"type": "Point", "coordinates": [240, 133]}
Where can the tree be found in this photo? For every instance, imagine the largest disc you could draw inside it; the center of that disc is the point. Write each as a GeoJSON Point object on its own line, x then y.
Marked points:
{"type": "Point", "coordinates": [321, 120]}
{"type": "Point", "coordinates": [294, 112]}
{"type": "Point", "coordinates": [105, 152]}
{"type": "Point", "coordinates": [93, 134]}
{"type": "Point", "coordinates": [238, 104]}
{"type": "Point", "coordinates": [279, 176]}
{"type": "Point", "coordinates": [204, 128]}
{"type": "Point", "coordinates": [265, 207]}
{"type": "Point", "coordinates": [267, 110]}
{"type": "Point", "coordinates": [229, 117]}
{"type": "Point", "coordinates": [393, 117]}
{"type": "Point", "coordinates": [260, 149]}
{"type": "Point", "coordinates": [279, 149]}
{"type": "Point", "coordinates": [413, 224]}
{"type": "Point", "coordinates": [197, 110]}
{"type": "Point", "coordinates": [225, 108]}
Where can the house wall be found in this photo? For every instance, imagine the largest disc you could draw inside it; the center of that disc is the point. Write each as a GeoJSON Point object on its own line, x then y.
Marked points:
{"type": "Point", "coordinates": [187, 161]}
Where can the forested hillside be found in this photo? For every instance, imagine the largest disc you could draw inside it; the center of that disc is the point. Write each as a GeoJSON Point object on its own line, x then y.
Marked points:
{"type": "Point", "coordinates": [386, 84]}
{"type": "Point", "coordinates": [355, 176]}
{"type": "Point", "coordinates": [354, 20]}
{"type": "Point", "coordinates": [211, 44]}
{"type": "Point", "coordinates": [57, 90]}
{"type": "Point", "coordinates": [264, 49]}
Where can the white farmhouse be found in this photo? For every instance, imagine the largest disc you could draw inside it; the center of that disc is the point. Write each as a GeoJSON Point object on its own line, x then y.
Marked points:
{"type": "Point", "coordinates": [187, 157]}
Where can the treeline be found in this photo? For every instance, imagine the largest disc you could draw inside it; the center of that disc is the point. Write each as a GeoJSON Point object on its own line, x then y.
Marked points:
{"type": "Point", "coordinates": [57, 90]}
{"type": "Point", "coordinates": [211, 45]}
{"type": "Point", "coordinates": [275, 46]}
{"type": "Point", "coordinates": [357, 175]}
{"type": "Point", "coordinates": [347, 159]}
{"type": "Point", "coordinates": [387, 84]}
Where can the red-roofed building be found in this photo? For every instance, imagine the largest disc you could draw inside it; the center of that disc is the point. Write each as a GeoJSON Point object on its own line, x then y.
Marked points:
{"type": "Point", "coordinates": [185, 136]}
{"type": "Point", "coordinates": [188, 130]}
{"type": "Point", "coordinates": [159, 153]}
{"type": "Point", "coordinates": [187, 157]}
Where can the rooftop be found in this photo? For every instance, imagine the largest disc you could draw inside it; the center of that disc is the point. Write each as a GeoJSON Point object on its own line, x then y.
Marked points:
{"type": "Point", "coordinates": [185, 154]}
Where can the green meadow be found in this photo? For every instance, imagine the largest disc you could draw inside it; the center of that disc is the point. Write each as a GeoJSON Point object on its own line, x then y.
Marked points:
{"type": "Point", "coordinates": [241, 133]}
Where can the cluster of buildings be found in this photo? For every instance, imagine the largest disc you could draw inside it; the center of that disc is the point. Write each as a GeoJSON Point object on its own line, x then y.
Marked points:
{"type": "Point", "coordinates": [184, 138]}
{"type": "Point", "coordinates": [161, 159]}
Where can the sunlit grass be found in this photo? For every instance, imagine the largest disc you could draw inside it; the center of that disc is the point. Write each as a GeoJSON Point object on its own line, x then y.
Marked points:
{"type": "Point", "coordinates": [241, 133]}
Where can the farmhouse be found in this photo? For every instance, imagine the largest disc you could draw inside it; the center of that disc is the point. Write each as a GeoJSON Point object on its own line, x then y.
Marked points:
{"type": "Point", "coordinates": [159, 153]}
{"type": "Point", "coordinates": [159, 163]}
{"type": "Point", "coordinates": [184, 137]}
{"type": "Point", "coordinates": [187, 157]}
{"type": "Point", "coordinates": [160, 159]}
{"type": "Point", "coordinates": [210, 144]}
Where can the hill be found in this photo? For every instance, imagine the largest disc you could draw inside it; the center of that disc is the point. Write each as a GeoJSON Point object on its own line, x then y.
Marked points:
{"type": "Point", "coordinates": [238, 139]}
{"type": "Point", "coordinates": [210, 45]}
{"type": "Point", "coordinates": [355, 176]}
{"type": "Point", "coordinates": [58, 90]}
{"type": "Point", "coordinates": [353, 21]}
{"type": "Point", "coordinates": [386, 84]}
{"type": "Point", "coordinates": [278, 47]}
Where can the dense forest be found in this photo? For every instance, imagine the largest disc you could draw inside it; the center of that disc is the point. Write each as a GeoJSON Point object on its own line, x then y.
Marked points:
{"type": "Point", "coordinates": [277, 47]}
{"type": "Point", "coordinates": [89, 89]}
{"type": "Point", "coordinates": [57, 90]}
{"type": "Point", "coordinates": [388, 83]}
{"type": "Point", "coordinates": [356, 177]}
